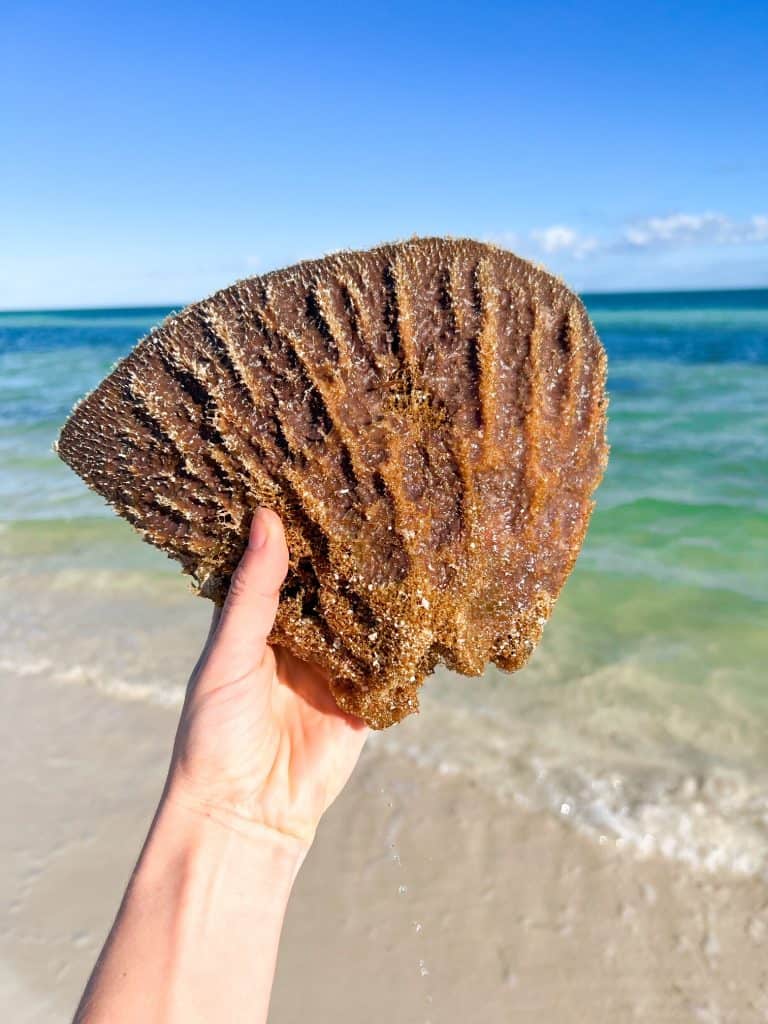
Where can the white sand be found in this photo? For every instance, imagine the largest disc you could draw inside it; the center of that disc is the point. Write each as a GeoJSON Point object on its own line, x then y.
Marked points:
{"type": "Point", "coordinates": [424, 900]}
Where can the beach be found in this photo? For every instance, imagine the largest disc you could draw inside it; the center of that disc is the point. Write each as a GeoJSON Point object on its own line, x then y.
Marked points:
{"type": "Point", "coordinates": [425, 898]}
{"type": "Point", "coordinates": [585, 840]}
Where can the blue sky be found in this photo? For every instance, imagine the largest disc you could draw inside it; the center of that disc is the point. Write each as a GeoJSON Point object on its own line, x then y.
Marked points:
{"type": "Point", "coordinates": [153, 153]}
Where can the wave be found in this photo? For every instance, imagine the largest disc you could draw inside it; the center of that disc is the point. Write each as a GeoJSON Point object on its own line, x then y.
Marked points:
{"type": "Point", "coordinates": [656, 508]}
{"type": "Point", "coordinates": [641, 775]}
{"type": "Point", "coordinates": [158, 694]}
{"type": "Point", "coordinates": [620, 775]}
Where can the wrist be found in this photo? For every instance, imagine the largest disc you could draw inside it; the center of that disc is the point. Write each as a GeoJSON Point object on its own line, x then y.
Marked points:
{"type": "Point", "coordinates": [209, 828]}
{"type": "Point", "coordinates": [255, 814]}
{"type": "Point", "coordinates": [245, 820]}
{"type": "Point", "coordinates": [200, 847]}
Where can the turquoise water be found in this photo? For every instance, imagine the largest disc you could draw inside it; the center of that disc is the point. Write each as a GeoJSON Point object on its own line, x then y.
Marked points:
{"type": "Point", "coordinates": [643, 717]}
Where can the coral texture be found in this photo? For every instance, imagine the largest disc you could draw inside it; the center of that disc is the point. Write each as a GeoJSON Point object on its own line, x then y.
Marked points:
{"type": "Point", "coordinates": [427, 417]}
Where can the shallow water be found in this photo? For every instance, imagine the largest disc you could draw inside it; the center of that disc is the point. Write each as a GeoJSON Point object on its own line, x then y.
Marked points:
{"type": "Point", "coordinates": [642, 719]}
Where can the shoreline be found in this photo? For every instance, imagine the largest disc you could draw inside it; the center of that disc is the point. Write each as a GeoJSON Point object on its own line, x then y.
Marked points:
{"type": "Point", "coordinates": [425, 898]}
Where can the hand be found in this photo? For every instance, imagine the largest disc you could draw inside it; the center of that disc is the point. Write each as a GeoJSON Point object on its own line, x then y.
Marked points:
{"type": "Point", "coordinates": [261, 743]}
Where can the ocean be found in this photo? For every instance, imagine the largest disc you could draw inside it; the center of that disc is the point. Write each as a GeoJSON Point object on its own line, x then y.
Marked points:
{"type": "Point", "coordinates": [642, 719]}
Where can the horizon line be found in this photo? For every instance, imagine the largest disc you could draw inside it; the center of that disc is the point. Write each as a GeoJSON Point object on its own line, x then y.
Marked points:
{"type": "Point", "coordinates": [179, 306]}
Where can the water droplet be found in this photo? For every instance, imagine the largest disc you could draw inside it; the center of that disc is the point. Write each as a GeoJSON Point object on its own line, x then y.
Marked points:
{"type": "Point", "coordinates": [423, 971]}
{"type": "Point", "coordinates": [402, 889]}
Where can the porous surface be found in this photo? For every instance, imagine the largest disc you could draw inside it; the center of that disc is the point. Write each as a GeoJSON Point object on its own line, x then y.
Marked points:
{"type": "Point", "coordinates": [428, 419]}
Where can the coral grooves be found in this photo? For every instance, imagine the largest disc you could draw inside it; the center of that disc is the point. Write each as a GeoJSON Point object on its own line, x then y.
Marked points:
{"type": "Point", "coordinates": [428, 419]}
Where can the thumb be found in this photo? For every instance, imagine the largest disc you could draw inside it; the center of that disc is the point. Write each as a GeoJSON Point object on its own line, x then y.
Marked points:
{"type": "Point", "coordinates": [240, 641]}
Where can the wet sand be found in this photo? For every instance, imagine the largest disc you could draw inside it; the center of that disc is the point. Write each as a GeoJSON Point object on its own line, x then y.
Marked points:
{"type": "Point", "coordinates": [425, 899]}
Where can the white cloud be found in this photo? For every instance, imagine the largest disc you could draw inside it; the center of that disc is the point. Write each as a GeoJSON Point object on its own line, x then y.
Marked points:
{"type": "Point", "coordinates": [758, 228]}
{"type": "Point", "coordinates": [509, 239]}
{"type": "Point", "coordinates": [676, 230]}
{"type": "Point", "coordinates": [558, 237]}
{"type": "Point", "coordinates": [692, 228]}
{"type": "Point", "coordinates": [561, 238]}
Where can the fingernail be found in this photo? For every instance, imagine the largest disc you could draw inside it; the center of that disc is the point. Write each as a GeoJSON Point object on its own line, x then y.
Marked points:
{"type": "Point", "coordinates": [259, 531]}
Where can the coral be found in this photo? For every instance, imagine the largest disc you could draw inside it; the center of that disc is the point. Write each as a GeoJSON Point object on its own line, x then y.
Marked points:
{"type": "Point", "coordinates": [428, 419]}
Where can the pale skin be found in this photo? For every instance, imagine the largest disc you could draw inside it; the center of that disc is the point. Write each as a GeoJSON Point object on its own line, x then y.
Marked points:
{"type": "Point", "coordinates": [261, 752]}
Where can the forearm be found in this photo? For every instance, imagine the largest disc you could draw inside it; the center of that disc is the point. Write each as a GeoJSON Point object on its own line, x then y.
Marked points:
{"type": "Point", "coordinates": [261, 751]}
{"type": "Point", "coordinates": [197, 934]}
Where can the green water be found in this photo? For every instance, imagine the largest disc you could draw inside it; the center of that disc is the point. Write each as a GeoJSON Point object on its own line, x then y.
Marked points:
{"type": "Point", "coordinates": [644, 710]}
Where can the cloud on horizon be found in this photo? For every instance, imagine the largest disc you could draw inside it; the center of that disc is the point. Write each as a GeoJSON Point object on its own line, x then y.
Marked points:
{"type": "Point", "coordinates": [675, 230]}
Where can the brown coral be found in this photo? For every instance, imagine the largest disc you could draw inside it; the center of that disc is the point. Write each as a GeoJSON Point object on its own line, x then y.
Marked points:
{"type": "Point", "coordinates": [428, 418]}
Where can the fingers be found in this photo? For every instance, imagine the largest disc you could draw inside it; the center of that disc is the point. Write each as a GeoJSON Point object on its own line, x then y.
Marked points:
{"type": "Point", "coordinates": [239, 643]}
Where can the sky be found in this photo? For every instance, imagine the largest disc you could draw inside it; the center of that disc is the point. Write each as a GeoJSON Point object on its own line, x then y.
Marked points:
{"type": "Point", "coordinates": [151, 153]}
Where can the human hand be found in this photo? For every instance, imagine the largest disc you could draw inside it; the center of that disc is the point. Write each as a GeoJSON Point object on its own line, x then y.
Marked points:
{"type": "Point", "coordinates": [261, 743]}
